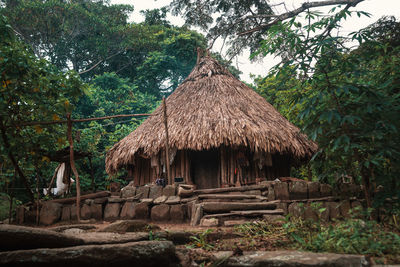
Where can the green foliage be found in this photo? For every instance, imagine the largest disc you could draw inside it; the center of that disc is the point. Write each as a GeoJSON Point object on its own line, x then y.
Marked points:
{"type": "Point", "coordinates": [345, 99]}
{"type": "Point", "coordinates": [31, 90]}
{"type": "Point", "coordinates": [201, 240]}
{"type": "Point", "coordinates": [351, 236]}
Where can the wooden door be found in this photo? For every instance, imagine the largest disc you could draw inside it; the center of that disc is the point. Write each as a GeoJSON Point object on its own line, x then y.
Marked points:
{"type": "Point", "coordinates": [204, 168]}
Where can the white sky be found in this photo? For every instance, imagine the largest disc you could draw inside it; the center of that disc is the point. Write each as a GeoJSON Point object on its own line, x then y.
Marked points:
{"type": "Point", "coordinates": [377, 9]}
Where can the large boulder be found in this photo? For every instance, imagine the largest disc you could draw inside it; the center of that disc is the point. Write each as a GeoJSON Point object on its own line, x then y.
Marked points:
{"type": "Point", "coordinates": [142, 210]}
{"type": "Point", "coordinates": [96, 211]}
{"type": "Point", "coordinates": [111, 212]}
{"type": "Point", "coordinates": [143, 191]}
{"type": "Point", "coordinates": [325, 190]}
{"type": "Point", "coordinates": [155, 191]}
{"type": "Point", "coordinates": [143, 253]}
{"type": "Point", "coordinates": [160, 213]}
{"type": "Point", "coordinates": [128, 210]}
{"type": "Point", "coordinates": [169, 190]}
{"type": "Point", "coordinates": [128, 191]}
{"type": "Point", "coordinates": [298, 190]}
{"type": "Point", "coordinates": [177, 213]}
{"type": "Point", "coordinates": [334, 212]}
{"type": "Point", "coordinates": [281, 191]}
{"type": "Point", "coordinates": [20, 237]}
{"type": "Point", "coordinates": [86, 213]}
{"type": "Point", "coordinates": [66, 213]}
{"type": "Point", "coordinates": [50, 213]}
{"type": "Point", "coordinates": [313, 190]}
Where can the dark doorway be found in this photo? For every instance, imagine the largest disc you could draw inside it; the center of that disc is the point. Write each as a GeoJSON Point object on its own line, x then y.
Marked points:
{"type": "Point", "coordinates": [204, 168]}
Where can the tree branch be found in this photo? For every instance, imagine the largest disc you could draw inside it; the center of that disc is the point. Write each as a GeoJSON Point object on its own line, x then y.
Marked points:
{"type": "Point", "coordinates": [297, 11]}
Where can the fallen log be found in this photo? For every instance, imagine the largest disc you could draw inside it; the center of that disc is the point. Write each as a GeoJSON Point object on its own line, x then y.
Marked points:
{"type": "Point", "coordinates": [226, 196]}
{"type": "Point", "coordinates": [217, 207]}
{"type": "Point", "coordinates": [231, 189]}
{"type": "Point", "coordinates": [142, 253]}
{"type": "Point", "coordinates": [88, 196]}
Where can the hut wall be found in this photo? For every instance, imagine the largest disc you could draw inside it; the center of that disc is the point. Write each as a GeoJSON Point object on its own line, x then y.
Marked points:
{"type": "Point", "coordinates": [235, 167]}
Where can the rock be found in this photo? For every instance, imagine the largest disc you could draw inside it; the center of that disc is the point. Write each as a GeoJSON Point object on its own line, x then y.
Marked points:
{"type": "Point", "coordinates": [96, 211]}
{"type": "Point", "coordinates": [325, 190]}
{"type": "Point", "coordinates": [173, 200]}
{"type": "Point", "coordinates": [356, 204]}
{"type": "Point", "coordinates": [160, 213]}
{"type": "Point", "coordinates": [177, 237]}
{"type": "Point", "coordinates": [74, 231]}
{"type": "Point", "coordinates": [230, 223]}
{"type": "Point", "coordinates": [218, 207]}
{"type": "Point", "coordinates": [124, 226]}
{"type": "Point", "coordinates": [86, 213]}
{"type": "Point", "coordinates": [113, 199]}
{"type": "Point", "coordinates": [344, 208]}
{"type": "Point", "coordinates": [50, 213]}
{"type": "Point", "coordinates": [128, 191]}
{"type": "Point", "coordinates": [281, 191]}
{"type": "Point", "coordinates": [128, 210]}
{"type": "Point", "coordinates": [160, 200]}
{"type": "Point", "coordinates": [334, 212]}
{"type": "Point", "coordinates": [100, 200]}
{"type": "Point", "coordinates": [313, 190]}
{"type": "Point", "coordinates": [283, 206]}
{"type": "Point", "coordinates": [62, 228]}
{"type": "Point", "coordinates": [20, 237]}
{"type": "Point", "coordinates": [212, 222]}
{"type": "Point", "coordinates": [101, 238]}
{"type": "Point", "coordinates": [296, 258]}
{"type": "Point", "coordinates": [295, 210]}
{"type": "Point", "coordinates": [66, 213]}
{"type": "Point", "coordinates": [271, 193]}
{"type": "Point", "coordinates": [298, 190]}
{"type": "Point", "coordinates": [20, 212]}
{"type": "Point", "coordinates": [142, 253]}
{"type": "Point", "coordinates": [144, 190]}
{"type": "Point", "coordinates": [88, 201]}
{"type": "Point", "coordinates": [111, 212]}
{"type": "Point", "coordinates": [310, 213]}
{"type": "Point", "coordinates": [325, 214]}
{"type": "Point", "coordinates": [185, 192]}
{"type": "Point", "coordinates": [147, 200]}
{"type": "Point", "coordinates": [74, 216]}
{"type": "Point", "coordinates": [155, 191]}
{"type": "Point", "coordinates": [169, 190]}
{"type": "Point", "coordinates": [274, 219]}
{"type": "Point", "coordinates": [177, 213]}
{"type": "Point", "coordinates": [142, 210]}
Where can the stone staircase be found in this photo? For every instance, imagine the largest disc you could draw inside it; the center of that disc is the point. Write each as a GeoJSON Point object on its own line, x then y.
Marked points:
{"type": "Point", "coordinates": [232, 206]}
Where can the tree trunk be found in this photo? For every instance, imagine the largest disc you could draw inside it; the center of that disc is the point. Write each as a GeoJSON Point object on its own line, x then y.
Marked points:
{"type": "Point", "coordinates": [14, 161]}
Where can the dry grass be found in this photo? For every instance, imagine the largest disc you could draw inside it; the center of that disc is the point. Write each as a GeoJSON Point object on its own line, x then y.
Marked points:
{"type": "Point", "coordinates": [209, 109]}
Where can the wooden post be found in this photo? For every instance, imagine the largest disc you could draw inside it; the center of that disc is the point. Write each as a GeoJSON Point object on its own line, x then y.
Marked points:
{"type": "Point", "coordinates": [37, 197]}
{"type": "Point", "coordinates": [52, 179]}
{"type": "Point", "coordinates": [166, 142]}
{"type": "Point", "coordinates": [72, 162]}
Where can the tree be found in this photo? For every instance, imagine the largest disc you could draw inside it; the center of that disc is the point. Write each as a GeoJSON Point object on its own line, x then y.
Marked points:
{"type": "Point", "coordinates": [31, 90]}
{"type": "Point", "coordinates": [242, 24]}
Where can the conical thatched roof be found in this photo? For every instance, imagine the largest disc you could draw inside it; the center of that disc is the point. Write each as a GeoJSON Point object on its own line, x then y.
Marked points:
{"type": "Point", "coordinates": [210, 108]}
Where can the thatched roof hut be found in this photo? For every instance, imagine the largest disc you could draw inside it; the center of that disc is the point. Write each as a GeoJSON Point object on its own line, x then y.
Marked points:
{"type": "Point", "coordinates": [212, 109]}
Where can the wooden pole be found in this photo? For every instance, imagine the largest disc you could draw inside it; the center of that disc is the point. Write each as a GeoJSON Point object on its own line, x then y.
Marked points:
{"type": "Point", "coordinates": [166, 142]}
{"type": "Point", "coordinates": [72, 162]}
{"type": "Point", "coordinates": [52, 179]}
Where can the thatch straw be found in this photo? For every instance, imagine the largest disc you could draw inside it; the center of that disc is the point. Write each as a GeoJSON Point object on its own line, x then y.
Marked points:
{"type": "Point", "coordinates": [209, 109]}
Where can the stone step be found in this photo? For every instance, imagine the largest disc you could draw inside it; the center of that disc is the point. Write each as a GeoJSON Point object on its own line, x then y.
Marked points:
{"type": "Point", "coordinates": [246, 213]}
{"type": "Point", "coordinates": [223, 207]}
